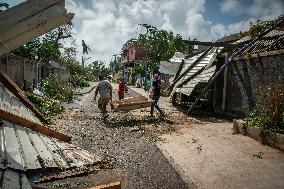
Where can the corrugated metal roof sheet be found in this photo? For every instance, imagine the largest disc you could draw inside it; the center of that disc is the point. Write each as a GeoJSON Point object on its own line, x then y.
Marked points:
{"type": "Point", "coordinates": [24, 149]}
{"type": "Point", "coordinates": [204, 76]}
{"type": "Point", "coordinates": [201, 78]}
{"type": "Point", "coordinates": [10, 103]}
{"type": "Point", "coordinates": [274, 40]}
{"type": "Point", "coordinates": [12, 179]}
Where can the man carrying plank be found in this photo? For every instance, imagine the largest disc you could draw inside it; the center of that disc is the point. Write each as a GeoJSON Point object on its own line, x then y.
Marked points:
{"type": "Point", "coordinates": [104, 88]}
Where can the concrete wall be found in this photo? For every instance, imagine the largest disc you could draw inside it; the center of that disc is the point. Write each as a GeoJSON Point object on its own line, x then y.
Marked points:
{"type": "Point", "coordinates": [20, 69]}
{"type": "Point", "coordinates": [244, 80]}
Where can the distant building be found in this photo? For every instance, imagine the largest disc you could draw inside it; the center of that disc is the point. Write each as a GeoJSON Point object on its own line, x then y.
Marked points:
{"type": "Point", "coordinates": [132, 53]}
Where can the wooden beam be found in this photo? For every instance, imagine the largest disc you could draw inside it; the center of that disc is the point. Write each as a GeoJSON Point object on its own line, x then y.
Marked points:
{"type": "Point", "coordinates": [213, 44]}
{"type": "Point", "coordinates": [35, 30]}
{"type": "Point", "coordinates": [224, 88]}
{"type": "Point", "coordinates": [179, 69]}
{"type": "Point", "coordinates": [261, 54]}
{"type": "Point", "coordinates": [13, 88]}
{"type": "Point", "coordinates": [114, 185]}
{"type": "Point", "coordinates": [24, 10]}
{"type": "Point", "coordinates": [7, 116]}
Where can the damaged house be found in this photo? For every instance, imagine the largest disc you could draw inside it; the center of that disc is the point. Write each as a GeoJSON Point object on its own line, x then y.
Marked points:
{"type": "Point", "coordinates": [236, 88]}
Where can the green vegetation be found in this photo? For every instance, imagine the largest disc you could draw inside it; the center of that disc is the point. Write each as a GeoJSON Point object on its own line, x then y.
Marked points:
{"type": "Point", "coordinates": [160, 45]}
{"type": "Point", "coordinates": [99, 69]}
{"type": "Point", "coordinates": [47, 106]}
{"type": "Point", "coordinates": [269, 111]}
{"type": "Point", "coordinates": [260, 26]}
{"type": "Point", "coordinates": [54, 88]}
{"type": "Point", "coordinates": [46, 48]}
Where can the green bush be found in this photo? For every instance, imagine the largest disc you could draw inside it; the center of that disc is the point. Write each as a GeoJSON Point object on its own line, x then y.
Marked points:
{"type": "Point", "coordinates": [269, 110]}
{"type": "Point", "coordinates": [54, 88]}
{"type": "Point", "coordinates": [48, 107]}
{"type": "Point", "coordinates": [79, 81]}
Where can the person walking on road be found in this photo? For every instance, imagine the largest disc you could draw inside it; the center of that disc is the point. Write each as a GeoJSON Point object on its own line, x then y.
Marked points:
{"type": "Point", "coordinates": [104, 88]}
{"type": "Point", "coordinates": [121, 89]}
{"type": "Point", "coordinates": [155, 95]}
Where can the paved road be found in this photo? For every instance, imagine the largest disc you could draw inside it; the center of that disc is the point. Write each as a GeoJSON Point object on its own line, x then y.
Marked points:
{"type": "Point", "coordinates": [139, 161]}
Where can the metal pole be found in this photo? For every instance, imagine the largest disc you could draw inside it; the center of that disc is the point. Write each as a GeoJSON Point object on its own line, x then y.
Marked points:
{"type": "Point", "coordinates": [230, 60]}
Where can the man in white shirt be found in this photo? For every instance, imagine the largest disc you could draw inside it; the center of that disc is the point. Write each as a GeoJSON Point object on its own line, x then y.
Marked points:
{"type": "Point", "coordinates": [104, 88]}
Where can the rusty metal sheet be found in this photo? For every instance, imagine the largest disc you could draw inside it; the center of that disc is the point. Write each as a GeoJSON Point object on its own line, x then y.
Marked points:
{"type": "Point", "coordinates": [24, 149]}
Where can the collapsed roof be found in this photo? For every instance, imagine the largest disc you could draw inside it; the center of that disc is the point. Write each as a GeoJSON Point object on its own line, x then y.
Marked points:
{"type": "Point", "coordinates": [199, 68]}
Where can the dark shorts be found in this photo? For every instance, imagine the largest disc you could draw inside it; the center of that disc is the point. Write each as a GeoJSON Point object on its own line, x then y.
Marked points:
{"type": "Point", "coordinates": [121, 96]}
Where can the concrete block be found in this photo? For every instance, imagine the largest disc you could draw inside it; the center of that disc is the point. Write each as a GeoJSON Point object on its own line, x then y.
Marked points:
{"type": "Point", "coordinates": [280, 141]}
{"type": "Point", "coordinates": [254, 132]}
{"type": "Point", "coordinates": [236, 126]}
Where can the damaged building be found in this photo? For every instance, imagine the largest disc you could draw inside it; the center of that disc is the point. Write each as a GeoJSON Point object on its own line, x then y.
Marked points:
{"type": "Point", "coordinates": [236, 89]}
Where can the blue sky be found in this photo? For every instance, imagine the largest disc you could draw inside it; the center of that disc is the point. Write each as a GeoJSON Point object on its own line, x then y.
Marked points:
{"type": "Point", "coordinates": [106, 24]}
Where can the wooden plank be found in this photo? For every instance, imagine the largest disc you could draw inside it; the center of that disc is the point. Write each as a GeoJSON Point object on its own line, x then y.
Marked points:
{"type": "Point", "coordinates": [38, 30]}
{"type": "Point", "coordinates": [32, 22]}
{"type": "Point", "coordinates": [224, 89]}
{"type": "Point", "coordinates": [85, 156]}
{"type": "Point", "coordinates": [45, 156]}
{"type": "Point", "coordinates": [25, 184]}
{"type": "Point", "coordinates": [57, 154]}
{"type": "Point", "coordinates": [2, 88]}
{"type": "Point", "coordinates": [29, 152]}
{"type": "Point", "coordinates": [114, 185]}
{"type": "Point", "coordinates": [261, 54]}
{"type": "Point", "coordinates": [34, 126]}
{"type": "Point", "coordinates": [11, 179]}
{"type": "Point", "coordinates": [68, 154]}
{"type": "Point", "coordinates": [27, 9]}
{"type": "Point", "coordinates": [13, 152]}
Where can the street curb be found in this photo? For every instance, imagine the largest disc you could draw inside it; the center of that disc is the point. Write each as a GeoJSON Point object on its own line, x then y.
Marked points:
{"type": "Point", "coordinates": [274, 140]}
{"type": "Point", "coordinates": [176, 167]}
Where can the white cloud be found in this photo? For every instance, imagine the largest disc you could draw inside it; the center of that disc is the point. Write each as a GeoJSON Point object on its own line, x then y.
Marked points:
{"type": "Point", "coordinates": [266, 9]}
{"type": "Point", "coordinates": [218, 30]}
{"type": "Point", "coordinates": [106, 25]}
{"type": "Point", "coordinates": [232, 6]}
